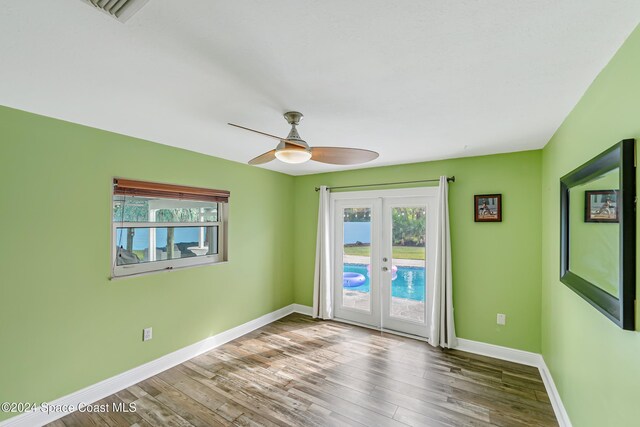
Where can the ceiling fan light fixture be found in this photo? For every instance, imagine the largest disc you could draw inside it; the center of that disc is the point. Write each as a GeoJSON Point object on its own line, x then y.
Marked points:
{"type": "Point", "coordinates": [295, 150]}
{"type": "Point", "coordinates": [293, 155]}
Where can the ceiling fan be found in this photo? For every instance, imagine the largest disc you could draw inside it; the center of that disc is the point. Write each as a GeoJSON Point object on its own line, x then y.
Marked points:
{"type": "Point", "coordinates": [294, 149]}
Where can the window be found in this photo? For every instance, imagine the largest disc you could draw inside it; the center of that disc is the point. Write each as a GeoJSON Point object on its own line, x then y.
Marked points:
{"type": "Point", "coordinates": [161, 227]}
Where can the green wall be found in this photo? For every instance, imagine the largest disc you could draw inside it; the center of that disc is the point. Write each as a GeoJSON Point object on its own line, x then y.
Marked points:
{"type": "Point", "coordinates": [63, 324]}
{"type": "Point", "coordinates": [496, 266]}
{"type": "Point", "coordinates": [595, 364]}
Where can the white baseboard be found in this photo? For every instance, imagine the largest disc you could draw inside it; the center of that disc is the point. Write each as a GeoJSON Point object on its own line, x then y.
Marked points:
{"type": "Point", "coordinates": [554, 396]}
{"type": "Point", "coordinates": [133, 376]}
{"type": "Point", "coordinates": [302, 309]}
{"type": "Point", "coordinates": [504, 353]}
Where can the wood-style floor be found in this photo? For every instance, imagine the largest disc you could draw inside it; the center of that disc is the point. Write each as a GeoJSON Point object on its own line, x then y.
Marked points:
{"type": "Point", "coordinates": [302, 372]}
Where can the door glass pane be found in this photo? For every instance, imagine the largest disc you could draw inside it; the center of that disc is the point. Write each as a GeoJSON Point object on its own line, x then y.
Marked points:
{"type": "Point", "coordinates": [408, 271]}
{"type": "Point", "coordinates": [356, 257]}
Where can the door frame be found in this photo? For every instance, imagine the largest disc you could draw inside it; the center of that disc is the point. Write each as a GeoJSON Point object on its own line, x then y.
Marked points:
{"type": "Point", "coordinates": [376, 300]}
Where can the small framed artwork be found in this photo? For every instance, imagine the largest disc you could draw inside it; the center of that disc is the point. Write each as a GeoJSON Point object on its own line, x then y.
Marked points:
{"type": "Point", "coordinates": [601, 206]}
{"type": "Point", "coordinates": [487, 207]}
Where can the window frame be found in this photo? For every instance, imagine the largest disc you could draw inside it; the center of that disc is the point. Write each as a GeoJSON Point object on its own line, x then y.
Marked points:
{"type": "Point", "coordinates": [130, 270]}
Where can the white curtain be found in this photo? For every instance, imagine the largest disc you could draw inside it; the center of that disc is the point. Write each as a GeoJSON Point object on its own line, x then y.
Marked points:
{"type": "Point", "coordinates": [322, 285]}
{"type": "Point", "coordinates": [442, 331]}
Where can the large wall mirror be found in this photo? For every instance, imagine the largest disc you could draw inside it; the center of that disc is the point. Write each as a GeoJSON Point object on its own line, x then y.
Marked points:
{"type": "Point", "coordinates": [598, 232]}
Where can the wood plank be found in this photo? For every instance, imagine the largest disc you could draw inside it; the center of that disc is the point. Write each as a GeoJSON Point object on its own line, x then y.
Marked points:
{"type": "Point", "coordinates": [437, 409]}
{"type": "Point", "coordinates": [156, 413]}
{"type": "Point", "coordinates": [347, 409]}
{"type": "Point", "coordinates": [130, 417]}
{"type": "Point", "coordinates": [411, 418]}
{"type": "Point", "coordinates": [189, 409]}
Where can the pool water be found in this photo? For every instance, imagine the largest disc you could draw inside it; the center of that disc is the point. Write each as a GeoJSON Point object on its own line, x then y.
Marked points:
{"type": "Point", "coordinates": [408, 284]}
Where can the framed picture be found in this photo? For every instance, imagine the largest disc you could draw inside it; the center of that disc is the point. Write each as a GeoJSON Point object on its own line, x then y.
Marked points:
{"type": "Point", "coordinates": [487, 207]}
{"type": "Point", "coordinates": [601, 206]}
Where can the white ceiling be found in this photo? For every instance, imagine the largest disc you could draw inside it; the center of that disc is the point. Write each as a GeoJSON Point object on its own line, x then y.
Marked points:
{"type": "Point", "coordinates": [415, 80]}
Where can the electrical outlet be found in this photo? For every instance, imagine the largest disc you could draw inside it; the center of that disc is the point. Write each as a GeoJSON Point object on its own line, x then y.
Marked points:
{"type": "Point", "coordinates": [502, 319]}
{"type": "Point", "coordinates": [147, 334]}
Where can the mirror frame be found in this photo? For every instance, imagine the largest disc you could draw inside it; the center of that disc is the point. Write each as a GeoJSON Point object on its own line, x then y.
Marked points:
{"type": "Point", "coordinates": [620, 310]}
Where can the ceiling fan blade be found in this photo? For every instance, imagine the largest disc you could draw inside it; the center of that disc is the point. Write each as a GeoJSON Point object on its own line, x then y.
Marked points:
{"type": "Point", "coordinates": [263, 158]}
{"type": "Point", "coordinates": [342, 156]}
{"type": "Point", "coordinates": [289, 141]}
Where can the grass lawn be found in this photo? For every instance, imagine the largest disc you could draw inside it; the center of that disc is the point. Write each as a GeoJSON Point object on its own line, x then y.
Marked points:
{"type": "Point", "coordinates": [399, 252]}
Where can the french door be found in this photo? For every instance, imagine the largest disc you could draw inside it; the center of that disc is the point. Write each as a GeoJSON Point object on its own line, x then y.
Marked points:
{"type": "Point", "coordinates": [382, 269]}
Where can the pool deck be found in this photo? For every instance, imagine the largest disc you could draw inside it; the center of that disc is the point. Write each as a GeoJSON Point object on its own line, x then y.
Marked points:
{"type": "Point", "coordinates": [353, 259]}
{"type": "Point", "coordinates": [400, 307]}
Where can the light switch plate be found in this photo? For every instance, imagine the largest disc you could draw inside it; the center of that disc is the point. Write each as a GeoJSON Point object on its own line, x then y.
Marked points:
{"type": "Point", "coordinates": [147, 334]}
{"type": "Point", "coordinates": [502, 319]}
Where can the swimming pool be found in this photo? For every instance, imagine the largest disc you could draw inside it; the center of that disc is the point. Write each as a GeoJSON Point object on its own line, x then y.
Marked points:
{"type": "Point", "coordinates": [409, 284]}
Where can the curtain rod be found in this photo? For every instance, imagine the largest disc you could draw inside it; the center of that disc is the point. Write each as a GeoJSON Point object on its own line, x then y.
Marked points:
{"type": "Point", "coordinates": [449, 179]}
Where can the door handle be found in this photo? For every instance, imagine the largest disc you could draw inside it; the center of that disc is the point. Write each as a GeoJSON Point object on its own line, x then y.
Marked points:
{"type": "Point", "coordinates": [385, 269]}
{"type": "Point", "coordinates": [384, 260]}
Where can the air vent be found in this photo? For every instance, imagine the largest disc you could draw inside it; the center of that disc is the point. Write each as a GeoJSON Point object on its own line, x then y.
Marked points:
{"type": "Point", "coordinates": [119, 9]}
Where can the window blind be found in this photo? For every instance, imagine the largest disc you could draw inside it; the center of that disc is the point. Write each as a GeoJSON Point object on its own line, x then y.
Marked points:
{"type": "Point", "coordinates": [131, 187]}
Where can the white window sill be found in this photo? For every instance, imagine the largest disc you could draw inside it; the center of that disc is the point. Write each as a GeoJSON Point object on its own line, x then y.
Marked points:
{"type": "Point", "coordinates": [165, 270]}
